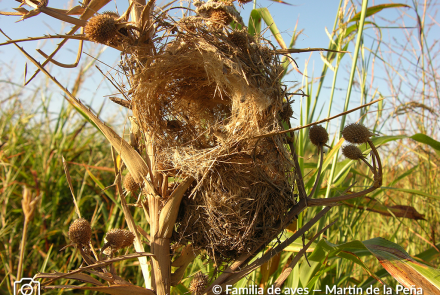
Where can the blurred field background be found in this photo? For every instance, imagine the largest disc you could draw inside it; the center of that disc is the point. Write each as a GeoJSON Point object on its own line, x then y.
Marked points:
{"type": "Point", "coordinates": [398, 60]}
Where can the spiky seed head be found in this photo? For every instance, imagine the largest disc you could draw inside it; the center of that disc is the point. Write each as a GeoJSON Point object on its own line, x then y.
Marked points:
{"type": "Point", "coordinates": [220, 16]}
{"type": "Point", "coordinates": [101, 28]}
{"type": "Point", "coordinates": [112, 14]}
{"type": "Point", "coordinates": [266, 55]}
{"type": "Point", "coordinates": [130, 184]}
{"type": "Point", "coordinates": [318, 135]}
{"type": "Point", "coordinates": [80, 232]}
{"type": "Point", "coordinates": [119, 238]}
{"type": "Point", "coordinates": [352, 152]}
{"type": "Point", "coordinates": [198, 284]}
{"type": "Point", "coordinates": [239, 39]}
{"type": "Point", "coordinates": [286, 112]}
{"type": "Point", "coordinates": [356, 133]}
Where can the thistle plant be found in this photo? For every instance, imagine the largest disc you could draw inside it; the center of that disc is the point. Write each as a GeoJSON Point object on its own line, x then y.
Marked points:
{"type": "Point", "coordinates": [211, 147]}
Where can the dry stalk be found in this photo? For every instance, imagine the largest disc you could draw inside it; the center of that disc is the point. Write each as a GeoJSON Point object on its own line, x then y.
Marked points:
{"type": "Point", "coordinates": [283, 276]}
{"type": "Point", "coordinates": [28, 204]}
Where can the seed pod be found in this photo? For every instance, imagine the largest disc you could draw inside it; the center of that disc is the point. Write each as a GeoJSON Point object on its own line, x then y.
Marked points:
{"type": "Point", "coordinates": [119, 238]}
{"type": "Point", "coordinates": [318, 135]}
{"type": "Point", "coordinates": [241, 2]}
{"type": "Point", "coordinates": [130, 184]}
{"type": "Point", "coordinates": [356, 133]}
{"type": "Point", "coordinates": [101, 28]}
{"type": "Point", "coordinates": [80, 232]}
{"type": "Point", "coordinates": [352, 152]}
{"type": "Point", "coordinates": [198, 284]}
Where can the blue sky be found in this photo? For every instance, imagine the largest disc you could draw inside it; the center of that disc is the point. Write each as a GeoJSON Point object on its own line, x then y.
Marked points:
{"type": "Point", "coordinates": [312, 16]}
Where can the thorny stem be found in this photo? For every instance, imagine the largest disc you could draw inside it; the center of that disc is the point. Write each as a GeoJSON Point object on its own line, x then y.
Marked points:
{"type": "Point", "coordinates": [378, 175]}
{"type": "Point", "coordinates": [327, 201]}
{"type": "Point", "coordinates": [283, 276]}
{"type": "Point", "coordinates": [368, 164]}
{"type": "Point", "coordinates": [321, 160]}
{"type": "Point", "coordinates": [298, 176]}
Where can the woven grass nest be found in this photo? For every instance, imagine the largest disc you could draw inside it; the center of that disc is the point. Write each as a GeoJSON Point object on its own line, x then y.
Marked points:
{"type": "Point", "coordinates": [203, 97]}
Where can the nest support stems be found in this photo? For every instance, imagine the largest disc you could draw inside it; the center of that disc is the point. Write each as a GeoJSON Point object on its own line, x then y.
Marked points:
{"type": "Point", "coordinates": [161, 265]}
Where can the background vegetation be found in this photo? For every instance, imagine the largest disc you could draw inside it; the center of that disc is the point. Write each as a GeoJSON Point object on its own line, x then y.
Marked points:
{"type": "Point", "coordinates": [405, 211]}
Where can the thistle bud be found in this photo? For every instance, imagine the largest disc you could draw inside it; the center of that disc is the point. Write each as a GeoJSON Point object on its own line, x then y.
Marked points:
{"type": "Point", "coordinates": [352, 152]}
{"type": "Point", "coordinates": [198, 284]}
{"type": "Point", "coordinates": [130, 184]}
{"type": "Point", "coordinates": [101, 28]}
{"type": "Point", "coordinates": [356, 133]}
{"type": "Point", "coordinates": [80, 232]}
{"type": "Point", "coordinates": [318, 135]}
{"type": "Point", "coordinates": [220, 16]}
{"type": "Point", "coordinates": [119, 238]}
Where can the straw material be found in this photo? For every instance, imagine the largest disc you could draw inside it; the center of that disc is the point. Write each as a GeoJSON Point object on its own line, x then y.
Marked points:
{"type": "Point", "coordinates": [200, 98]}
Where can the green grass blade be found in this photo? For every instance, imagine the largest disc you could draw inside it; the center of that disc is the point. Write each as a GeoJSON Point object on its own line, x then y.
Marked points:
{"type": "Point", "coordinates": [375, 9]}
{"type": "Point", "coordinates": [254, 25]}
{"type": "Point", "coordinates": [403, 267]}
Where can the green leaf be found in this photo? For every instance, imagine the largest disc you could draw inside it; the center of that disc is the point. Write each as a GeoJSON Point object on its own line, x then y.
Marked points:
{"type": "Point", "coordinates": [353, 28]}
{"type": "Point", "coordinates": [103, 188]}
{"type": "Point", "coordinates": [430, 254]}
{"type": "Point", "coordinates": [254, 25]}
{"type": "Point", "coordinates": [375, 9]}
{"type": "Point", "coordinates": [427, 140]}
{"type": "Point", "coordinates": [414, 191]}
{"type": "Point", "coordinates": [403, 267]}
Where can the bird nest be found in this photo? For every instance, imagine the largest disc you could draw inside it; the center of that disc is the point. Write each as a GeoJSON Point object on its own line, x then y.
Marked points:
{"type": "Point", "coordinates": [203, 98]}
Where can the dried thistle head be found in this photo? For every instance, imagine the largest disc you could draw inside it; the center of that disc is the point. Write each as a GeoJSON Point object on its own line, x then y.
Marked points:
{"type": "Point", "coordinates": [356, 133]}
{"type": "Point", "coordinates": [101, 28]}
{"type": "Point", "coordinates": [318, 135]}
{"type": "Point", "coordinates": [80, 232]}
{"type": "Point", "coordinates": [287, 112]}
{"type": "Point", "coordinates": [119, 238]}
{"type": "Point", "coordinates": [130, 184]}
{"type": "Point", "coordinates": [219, 16]}
{"type": "Point", "coordinates": [238, 38]}
{"type": "Point", "coordinates": [352, 152]}
{"type": "Point", "coordinates": [198, 283]}
{"type": "Point", "coordinates": [28, 204]}
{"type": "Point", "coordinates": [241, 2]}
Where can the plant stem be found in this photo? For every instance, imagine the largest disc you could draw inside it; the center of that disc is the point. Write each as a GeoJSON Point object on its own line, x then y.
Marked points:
{"type": "Point", "coordinates": [22, 247]}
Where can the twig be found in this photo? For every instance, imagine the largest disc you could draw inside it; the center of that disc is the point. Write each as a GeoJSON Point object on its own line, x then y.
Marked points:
{"type": "Point", "coordinates": [76, 37]}
{"type": "Point", "coordinates": [121, 102]}
{"type": "Point", "coordinates": [318, 122]}
{"type": "Point", "coordinates": [294, 50]}
{"type": "Point", "coordinates": [323, 202]}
